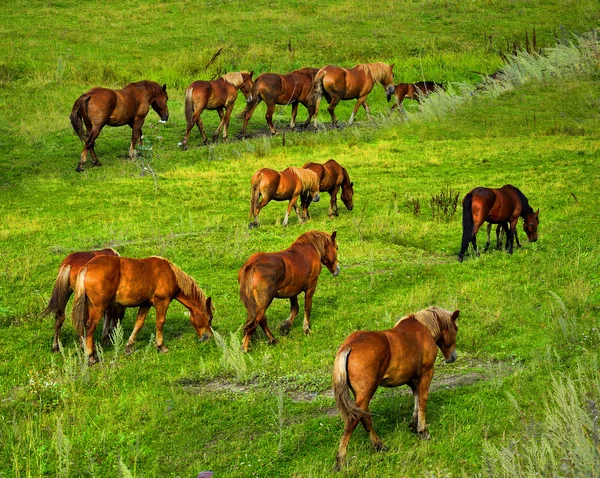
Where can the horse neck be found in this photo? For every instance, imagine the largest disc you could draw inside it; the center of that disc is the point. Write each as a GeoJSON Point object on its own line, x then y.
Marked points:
{"type": "Point", "coordinates": [346, 180]}
{"type": "Point", "coordinates": [188, 302]}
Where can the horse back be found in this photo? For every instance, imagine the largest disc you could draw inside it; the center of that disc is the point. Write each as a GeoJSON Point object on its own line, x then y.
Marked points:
{"type": "Point", "coordinates": [289, 184]}
{"type": "Point", "coordinates": [495, 205]}
{"type": "Point", "coordinates": [77, 260]}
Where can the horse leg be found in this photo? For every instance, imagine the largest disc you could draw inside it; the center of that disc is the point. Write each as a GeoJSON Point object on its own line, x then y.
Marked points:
{"type": "Point", "coordinates": [215, 135]}
{"type": "Point", "coordinates": [269, 117]}
{"type": "Point", "coordinates": [294, 113]}
{"type": "Point", "coordinates": [94, 316]}
{"type": "Point", "coordinates": [517, 238]}
{"type": "Point", "coordinates": [414, 421]}
{"type": "Point", "coordinates": [89, 146]}
{"type": "Point", "coordinates": [270, 337]}
{"type": "Point", "coordinates": [314, 114]}
{"type": "Point", "coordinates": [511, 234]}
{"type": "Point", "coordinates": [247, 117]}
{"type": "Point", "coordinates": [291, 204]}
{"type": "Point", "coordinates": [308, 297]}
{"type": "Point", "coordinates": [423, 395]}
{"type": "Point", "coordinates": [349, 427]}
{"type": "Point", "coordinates": [139, 322]}
{"type": "Point", "coordinates": [113, 317]}
{"type": "Point", "coordinates": [367, 110]}
{"type": "Point", "coordinates": [161, 313]}
{"type": "Point", "coordinates": [331, 108]}
{"type": "Point", "coordinates": [333, 209]}
{"type": "Point", "coordinates": [58, 321]}
{"type": "Point", "coordinates": [228, 111]}
{"type": "Point", "coordinates": [286, 325]}
{"type": "Point", "coordinates": [474, 238]}
{"type": "Point", "coordinates": [360, 101]}
{"type": "Point", "coordinates": [136, 135]}
{"type": "Point", "coordinates": [489, 230]}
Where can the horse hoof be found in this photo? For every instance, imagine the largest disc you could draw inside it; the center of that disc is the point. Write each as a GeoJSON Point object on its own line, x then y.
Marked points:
{"type": "Point", "coordinates": [79, 169]}
{"type": "Point", "coordinates": [460, 258]}
{"type": "Point", "coordinates": [413, 426]}
{"type": "Point", "coordinates": [306, 330]}
{"type": "Point", "coordinates": [380, 447]}
{"type": "Point", "coordinates": [252, 225]}
{"type": "Point", "coordinates": [284, 328]}
{"type": "Point", "coordinates": [424, 435]}
{"type": "Point", "coordinates": [129, 349]}
{"type": "Point", "coordinates": [97, 164]}
{"type": "Point", "coordinates": [273, 342]}
{"type": "Point", "coordinates": [162, 349]}
{"type": "Point", "coordinates": [92, 359]}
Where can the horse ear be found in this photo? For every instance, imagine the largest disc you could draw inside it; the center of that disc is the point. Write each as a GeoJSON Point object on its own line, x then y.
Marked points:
{"type": "Point", "coordinates": [352, 184]}
{"type": "Point", "coordinates": [333, 235]}
{"type": "Point", "coordinates": [209, 304]}
{"type": "Point", "coordinates": [392, 66]}
{"type": "Point", "coordinates": [455, 315]}
{"type": "Point", "coordinates": [165, 87]}
{"type": "Point", "coordinates": [251, 73]}
{"type": "Point", "coordinates": [537, 213]}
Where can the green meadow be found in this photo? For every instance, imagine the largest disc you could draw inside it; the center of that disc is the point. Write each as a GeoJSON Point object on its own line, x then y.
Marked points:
{"type": "Point", "coordinates": [523, 397]}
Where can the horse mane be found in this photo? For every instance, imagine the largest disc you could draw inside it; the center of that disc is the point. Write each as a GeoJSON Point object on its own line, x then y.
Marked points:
{"type": "Point", "coordinates": [320, 240]}
{"type": "Point", "coordinates": [434, 318]}
{"type": "Point", "coordinates": [187, 285]}
{"type": "Point", "coordinates": [236, 79]}
{"type": "Point", "coordinates": [310, 179]}
{"type": "Point", "coordinates": [525, 207]}
{"type": "Point", "coordinates": [346, 182]}
{"type": "Point", "coordinates": [378, 71]}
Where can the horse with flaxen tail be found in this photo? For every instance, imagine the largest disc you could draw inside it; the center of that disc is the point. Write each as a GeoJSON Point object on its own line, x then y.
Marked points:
{"type": "Point", "coordinates": [497, 206]}
{"type": "Point", "coordinates": [332, 177]}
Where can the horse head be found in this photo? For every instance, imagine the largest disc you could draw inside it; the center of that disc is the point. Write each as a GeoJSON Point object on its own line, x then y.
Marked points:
{"type": "Point", "coordinates": [201, 318]}
{"type": "Point", "coordinates": [247, 85]}
{"type": "Point", "coordinates": [388, 82]}
{"type": "Point", "coordinates": [347, 192]}
{"type": "Point", "coordinates": [447, 339]}
{"type": "Point", "coordinates": [329, 257]}
{"type": "Point", "coordinates": [159, 103]}
{"type": "Point", "coordinates": [530, 225]}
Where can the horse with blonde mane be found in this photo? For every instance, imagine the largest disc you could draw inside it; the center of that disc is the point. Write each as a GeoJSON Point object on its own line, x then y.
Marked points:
{"type": "Point", "coordinates": [286, 274]}
{"type": "Point", "coordinates": [402, 355]}
{"type": "Point", "coordinates": [144, 283]}
{"type": "Point", "coordinates": [289, 184]}
{"type": "Point", "coordinates": [332, 177]}
{"type": "Point", "coordinates": [64, 287]}
{"type": "Point", "coordinates": [213, 95]}
{"type": "Point", "coordinates": [336, 84]}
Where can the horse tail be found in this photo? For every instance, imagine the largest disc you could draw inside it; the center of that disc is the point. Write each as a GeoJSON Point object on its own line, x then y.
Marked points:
{"type": "Point", "coordinates": [80, 303]}
{"type": "Point", "coordinates": [317, 87]}
{"type": "Point", "coordinates": [256, 99]}
{"type": "Point", "coordinates": [246, 292]}
{"type": "Point", "coordinates": [341, 387]}
{"type": "Point", "coordinates": [255, 194]}
{"type": "Point", "coordinates": [77, 117]}
{"type": "Point", "coordinates": [60, 293]}
{"type": "Point", "coordinates": [189, 106]}
{"type": "Point", "coordinates": [467, 221]}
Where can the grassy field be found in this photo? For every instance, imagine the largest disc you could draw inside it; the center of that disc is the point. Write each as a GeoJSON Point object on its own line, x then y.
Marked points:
{"type": "Point", "coordinates": [529, 327]}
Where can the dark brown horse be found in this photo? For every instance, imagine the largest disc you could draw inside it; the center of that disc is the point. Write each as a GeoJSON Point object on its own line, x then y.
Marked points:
{"type": "Point", "coordinates": [63, 289]}
{"type": "Point", "coordinates": [402, 355]}
{"type": "Point", "coordinates": [128, 106]}
{"type": "Point", "coordinates": [332, 176]}
{"type": "Point", "coordinates": [289, 184]}
{"type": "Point", "coordinates": [414, 91]}
{"type": "Point", "coordinates": [497, 206]}
{"type": "Point", "coordinates": [293, 88]}
{"type": "Point", "coordinates": [217, 95]}
{"type": "Point", "coordinates": [144, 283]}
{"type": "Point", "coordinates": [336, 84]}
{"type": "Point", "coordinates": [286, 274]}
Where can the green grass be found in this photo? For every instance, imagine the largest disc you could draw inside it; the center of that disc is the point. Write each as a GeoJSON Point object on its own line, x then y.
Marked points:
{"type": "Point", "coordinates": [529, 322]}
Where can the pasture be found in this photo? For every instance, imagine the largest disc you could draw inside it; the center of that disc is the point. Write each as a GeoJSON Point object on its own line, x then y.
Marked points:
{"type": "Point", "coordinates": [529, 325]}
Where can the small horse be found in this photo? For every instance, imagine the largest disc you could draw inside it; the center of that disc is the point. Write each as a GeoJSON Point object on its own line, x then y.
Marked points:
{"type": "Point", "coordinates": [501, 231]}
{"type": "Point", "coordinates": [286, 274]}
{"type": "Point", "coordinates": [217, 95]}
{"type": "Point", "coordinates": [332, 176]}
{"type": "Point", "coordinates": [335, 84]}
{"type": "Point", "coordinates": [142, 283]}
{"type": "Point", "coordinates": [402, 355]}
{"type": "Point", "coordinates": [289, 184]}
{"type": "Point", "coordinates": [497, 206]}
{"type": "Point", "coordinates": [414, 91]}
{"type": "Point", "coordinates": [292, 88]}
{"type": "Point", "coordinates": [128, 106]}
{"type": "Point", "coordinates": [63, 289]}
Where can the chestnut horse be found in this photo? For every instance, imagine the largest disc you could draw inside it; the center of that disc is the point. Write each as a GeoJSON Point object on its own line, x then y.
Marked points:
{"type": "Point", "coordinates": [414, 91]}
{"type": "Point", "coordinates": [292, 88]}
{"type": "Point", "coordinates": [402, 355]}
{"type": "Point", "coordinates": [217, 95]}
{"type": "Point", "coordinates": [332, 176]}
{"type": "Point", "coordinates": [128, 106]}
{"type": "Point", "coordinates": [142, 283]}
{"type": "Point", "coordinates": [63, 289]}
{"type": "Point", "coordinates": [286, 274]}
{"type": "Point", "coordinates": [335, 84]}
{"type": "Point", "coordinates": [289, 184]}
{"type": "Point", "coordinates": [497, 206]}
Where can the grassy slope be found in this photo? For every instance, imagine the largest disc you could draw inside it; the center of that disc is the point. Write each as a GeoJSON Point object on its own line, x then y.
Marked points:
{"type": "Point", "coordinates": [157, 413]}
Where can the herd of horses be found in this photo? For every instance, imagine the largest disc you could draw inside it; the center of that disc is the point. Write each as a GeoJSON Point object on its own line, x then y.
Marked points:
{"type": "Point", "coordinates": [104, 283]}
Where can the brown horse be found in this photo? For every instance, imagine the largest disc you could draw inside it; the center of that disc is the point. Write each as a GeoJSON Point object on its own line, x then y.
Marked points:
{"type": "Point", "coordinates": [497, 206]}
{"type": "Point", "coordinates": [217, 95]}
{"type": "Point", "coordinates": [293, 88]}
{"type": "Point", "coordinates": [128, 106]}
{"type": "Point", "coordinates": [289, 184]}
{"type": "Point", "coordinates": [414, 91]}
{"type": "Point", "coordinates": [332, 176]}
{"type": "Point", "coordinates": [142, 283]}
{"type": "Point", "coordinates": [335, 84]}
{"type": "Point", "coordinates": [63, 289]}
{"type": "Point", "coordinates": [286, 274]}
{"type": "Point", "coordinates": [402, 355]}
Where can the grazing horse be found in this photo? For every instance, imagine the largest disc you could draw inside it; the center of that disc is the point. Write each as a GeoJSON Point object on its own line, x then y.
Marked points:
{"type": "Point", "coordinates": [402, 355]}
{"type": "Point", "coordinates": [102, 106]}
{"type": "Point", "coordinates": [289, 184]}
{"type": "Point", "coordinates": [217, 95]}
{"type": "Point", "coordinates": [335, 84]}
{"type": "Point", "coordinates": [63, 289]}
{"type": "Point", "coordinates": [286, 274]}
{"type": "Point", "coordinates": [497, 206]}
{"type": "Point", "coordinates": [414, 91]}
{"type": "Point", "coordinates": [292, 88]}
{"type": "Point", "coordinates": [332, 176]}
{"type": "Point", "coordinates": [142, 283]}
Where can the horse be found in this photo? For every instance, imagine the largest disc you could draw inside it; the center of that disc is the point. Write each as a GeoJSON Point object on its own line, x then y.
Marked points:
{"type": "Point", "coordinates": [497, 206]}
{"type": "Point", "coordinates": [286, 274]}
{"type": "Point", "coordinates": [332, 176]}
{"type": "Point", "coordinates": [402, 355]}
{"type": "Point", "coordinates": [501, 230]}
{"type": "Point", "coordinates": [289, 184]}
{"type": "Point", "coordinates": [292, 88]}
{"type": "Point", "coordinates": [143, 283]}
{"type": "Point", "coordinates": [335, 84]}
{"type": "Point", "coordinates": [414, 91]}
{"type": "Point", "coordinates": [217, 95]}
{"type": "Point", "coordinates": [128, 106]}
{"type": "Point", "coordinates": [63, 289]}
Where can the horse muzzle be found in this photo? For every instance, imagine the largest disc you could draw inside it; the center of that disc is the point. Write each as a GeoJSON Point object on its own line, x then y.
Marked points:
{"type": "Point", "coordinates": [452, 357]}
{"type": "Point", "coordinates": [389, 92]}
{"type": "Point", "coordinates": [336, 271]}
{"type": "Point", "coordinates": [205, 337]}
{"type": "Point", "coordinates": [164, 119]}
{"type": "Point", "coordinates": [316, 198]}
